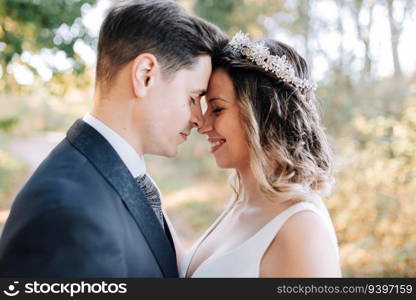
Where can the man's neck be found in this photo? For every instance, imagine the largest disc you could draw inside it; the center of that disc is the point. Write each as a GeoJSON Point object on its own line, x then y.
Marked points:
{"type": "Point", "coordinates": [119, 119]}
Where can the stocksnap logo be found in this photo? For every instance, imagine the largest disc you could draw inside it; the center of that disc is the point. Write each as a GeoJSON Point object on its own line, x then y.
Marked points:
{"type": "Point", "coordinates": [12, 290]}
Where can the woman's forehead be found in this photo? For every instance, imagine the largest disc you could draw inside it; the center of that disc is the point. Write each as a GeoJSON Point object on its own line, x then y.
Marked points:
{"type": "Point", "coordinates": [220, 86]}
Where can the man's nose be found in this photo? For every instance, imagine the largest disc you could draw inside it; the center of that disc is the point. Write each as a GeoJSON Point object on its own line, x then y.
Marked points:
{"type": "Point", "coordinates": [197, 123]}
{"type": "Point", "coordinates": [206, 126]}
{"type": "Point", "coordinates": [197, 119]}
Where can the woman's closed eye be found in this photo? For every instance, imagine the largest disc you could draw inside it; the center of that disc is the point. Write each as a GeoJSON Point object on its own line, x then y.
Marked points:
{"type": "Point", "coordinates": [217, 110]}
{"type": "Point", "coordinates": [192, 100]}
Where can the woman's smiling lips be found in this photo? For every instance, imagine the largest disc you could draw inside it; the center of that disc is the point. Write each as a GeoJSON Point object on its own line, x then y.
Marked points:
{"type": "Point", "coordinates": [216, 143]}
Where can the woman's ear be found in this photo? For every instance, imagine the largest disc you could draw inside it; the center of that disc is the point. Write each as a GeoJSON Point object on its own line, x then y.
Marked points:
{"type": "Point", "coordinates": [143, 74]}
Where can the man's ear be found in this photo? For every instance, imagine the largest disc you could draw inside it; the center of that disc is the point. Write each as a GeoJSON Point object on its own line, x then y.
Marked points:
{"type": "Point", "coordinates": [143, 73]}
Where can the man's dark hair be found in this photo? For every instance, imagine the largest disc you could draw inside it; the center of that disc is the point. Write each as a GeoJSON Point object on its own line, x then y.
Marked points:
{"type": "Point", "coordinates": [160, 27]}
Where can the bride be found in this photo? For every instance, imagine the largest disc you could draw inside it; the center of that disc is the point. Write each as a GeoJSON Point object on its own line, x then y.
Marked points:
{"type": "Point", "coordinates": [262, 121]}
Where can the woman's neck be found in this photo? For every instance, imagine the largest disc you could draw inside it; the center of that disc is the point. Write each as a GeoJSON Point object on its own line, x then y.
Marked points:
{"type": "Point", "coordinates": [252, 195]}
{"type": "Point", "coordinates": [253, 199]}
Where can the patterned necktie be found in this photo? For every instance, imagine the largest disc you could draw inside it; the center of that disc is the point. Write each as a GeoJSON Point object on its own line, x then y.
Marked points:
{"type": "Point", "coordinates": [152, 195]}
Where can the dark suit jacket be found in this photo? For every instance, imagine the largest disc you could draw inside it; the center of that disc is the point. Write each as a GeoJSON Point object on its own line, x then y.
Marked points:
{"type": "Point", "coordinates": [82, 214]}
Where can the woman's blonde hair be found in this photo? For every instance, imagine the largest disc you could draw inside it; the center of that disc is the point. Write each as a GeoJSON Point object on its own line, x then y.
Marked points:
{"type": "Point", "coordinates": [289, 151]}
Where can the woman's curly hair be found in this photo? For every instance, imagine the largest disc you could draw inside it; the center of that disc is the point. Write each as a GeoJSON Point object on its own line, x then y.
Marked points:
{"type": "Point", "coordinates": [289, 152]}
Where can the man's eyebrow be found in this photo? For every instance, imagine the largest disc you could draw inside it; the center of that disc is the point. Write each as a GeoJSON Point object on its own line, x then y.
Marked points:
{"type": "Point", "coordinates": [200, 92]}
{"type": "Point", "coordinates": [216, 98]}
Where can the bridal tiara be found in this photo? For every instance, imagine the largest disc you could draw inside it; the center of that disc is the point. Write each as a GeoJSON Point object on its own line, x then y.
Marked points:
{"type": "Point", "coordinates": [258, 53]}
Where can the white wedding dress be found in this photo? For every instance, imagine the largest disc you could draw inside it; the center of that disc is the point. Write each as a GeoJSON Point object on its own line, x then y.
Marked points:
{"type": "Point", "coordinates": [244, 260]}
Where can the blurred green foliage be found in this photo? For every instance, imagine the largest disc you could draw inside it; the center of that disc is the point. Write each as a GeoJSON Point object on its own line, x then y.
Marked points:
{"type": "Point", "coordinates": [374, 202]}
{"type": "Point", "coordinates": [10, 172]}
{"type": "Point", "coordinates": [7, 124]}
{"type": "Point", "coordinates": [30, 25]}
{"type": "Point", "coordinates": [235, 15]}
{"type": "Point", "coordinates": [33, 25]}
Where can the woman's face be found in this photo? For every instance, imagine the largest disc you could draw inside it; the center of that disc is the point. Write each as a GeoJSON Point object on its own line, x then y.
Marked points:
{"type": "Point", "coordinates": [223, 124]}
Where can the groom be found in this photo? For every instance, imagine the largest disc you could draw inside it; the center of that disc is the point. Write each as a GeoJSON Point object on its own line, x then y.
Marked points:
{"type": "Point", "coordinates": [90, 209]}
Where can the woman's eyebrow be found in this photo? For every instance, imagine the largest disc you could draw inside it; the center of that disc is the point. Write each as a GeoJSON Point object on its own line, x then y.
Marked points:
{"type": "Point", "coordinates": [216, 98]}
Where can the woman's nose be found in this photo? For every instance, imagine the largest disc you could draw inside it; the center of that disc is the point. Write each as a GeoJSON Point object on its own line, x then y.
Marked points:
{"type": "Point", "coordinates": [207, 124]}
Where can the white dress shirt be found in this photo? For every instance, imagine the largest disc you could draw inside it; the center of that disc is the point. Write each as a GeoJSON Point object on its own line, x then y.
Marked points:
{"type": "Point", "coordinates": [133, 161]}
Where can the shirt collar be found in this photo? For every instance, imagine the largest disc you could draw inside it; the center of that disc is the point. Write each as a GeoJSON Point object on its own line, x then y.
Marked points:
{"type": "Point", "coordinates": [134, 162]}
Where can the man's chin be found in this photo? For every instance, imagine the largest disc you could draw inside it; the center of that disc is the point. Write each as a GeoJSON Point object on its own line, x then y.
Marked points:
{"type": "Point", "coordinates": [170, 153]}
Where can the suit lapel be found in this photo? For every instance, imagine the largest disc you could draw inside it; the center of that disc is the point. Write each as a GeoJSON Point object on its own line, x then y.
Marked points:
{"type": "Point", "coordinates": [102, 155]}
{"type": "Point", "coordinates": [169, 235]}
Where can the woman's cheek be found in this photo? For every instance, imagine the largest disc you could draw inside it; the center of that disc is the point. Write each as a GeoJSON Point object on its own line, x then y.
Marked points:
{"type": "Point", "coordinates": [216, 122]}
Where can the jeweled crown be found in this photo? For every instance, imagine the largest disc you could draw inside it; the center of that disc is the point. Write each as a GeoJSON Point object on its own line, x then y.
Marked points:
{"type": "Point", "coordinates": [259, 54]}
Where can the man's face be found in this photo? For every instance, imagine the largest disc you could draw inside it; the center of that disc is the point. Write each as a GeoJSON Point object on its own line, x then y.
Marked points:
{"type": "Point", "coordinates": [174, 107]}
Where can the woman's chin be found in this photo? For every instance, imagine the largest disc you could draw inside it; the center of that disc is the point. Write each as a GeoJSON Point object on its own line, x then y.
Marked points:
{"type": "Point", "coordinates": [223, 163]}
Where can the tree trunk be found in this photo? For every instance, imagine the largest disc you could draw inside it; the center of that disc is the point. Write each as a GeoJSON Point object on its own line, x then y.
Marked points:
{"type": "Point", "coordinates": [305, 13]}
{"type": "Point", "coordinates": [395, 32]}
{"type": "Point", "coordinates": [363, 32]}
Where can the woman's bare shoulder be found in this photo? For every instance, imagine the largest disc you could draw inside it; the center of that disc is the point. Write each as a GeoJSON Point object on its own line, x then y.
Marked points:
{"type": "Point", "coordinates": [302, 248]}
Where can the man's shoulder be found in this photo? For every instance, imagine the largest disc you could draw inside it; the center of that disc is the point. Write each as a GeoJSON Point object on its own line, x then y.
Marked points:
{"type": "Point", "coordinates": [65, 163]}
{"type": "Point", "coordinates": [65, 177]}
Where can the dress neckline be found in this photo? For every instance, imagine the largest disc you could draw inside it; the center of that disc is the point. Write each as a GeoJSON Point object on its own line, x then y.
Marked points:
{"type": "Point", "coordinates": [202, 239]}
{"type": "Point", "coordinates": [213, 226]}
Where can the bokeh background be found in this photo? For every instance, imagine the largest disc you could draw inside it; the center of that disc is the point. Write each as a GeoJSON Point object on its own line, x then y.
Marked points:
{"type": "Point", "coordinates": [362, 54]}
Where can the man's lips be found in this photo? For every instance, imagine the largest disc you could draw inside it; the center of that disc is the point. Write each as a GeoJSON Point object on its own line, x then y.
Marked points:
{"type": "Point", "coordinates": [184, 135]}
